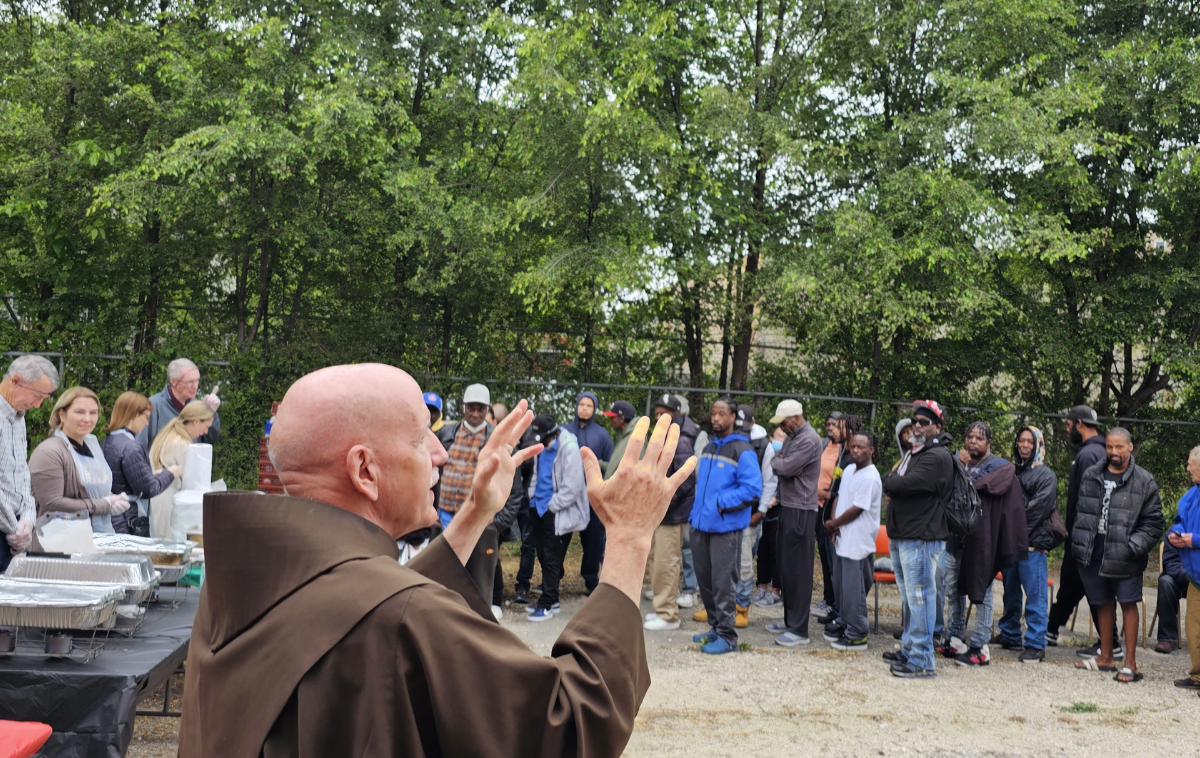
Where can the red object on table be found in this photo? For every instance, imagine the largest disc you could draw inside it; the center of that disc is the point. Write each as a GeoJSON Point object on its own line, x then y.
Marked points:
{"type": "Point", "coordinates": [21, 739]}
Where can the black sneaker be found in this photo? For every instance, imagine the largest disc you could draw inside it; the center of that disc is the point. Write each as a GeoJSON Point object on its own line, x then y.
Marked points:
{"type": "Point", "coordinates": [895, 656]}
{"type": "Point", "coordinates": [1005, 644]}
{"type": "Point", "coordinates": [846, 644]}
{"type": "Point", "coordinates": [898, 635]}
{"type": "Point", "coordinates": [522, 597]}
{"type": "Point", "coordinates": [1093, 651]}
{"type": "Point", "coordinates": [973, 657]}
{"type": "Point", "coordinates": [1032, 655]}
{"type": "Point", "coordinates": [827, 619]}
{"type": "Point", "coordinates": [1187, 683]}
{"type": "Point", "coordinates": [834, 632]}
{"type": "Point", "coordinates": [1052, 639]}
{"type": "Point", "coordinates": [909, 671]}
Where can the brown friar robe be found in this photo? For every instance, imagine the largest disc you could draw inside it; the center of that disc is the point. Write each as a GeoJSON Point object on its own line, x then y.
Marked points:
{"type": "Point", "coordinates": [311, 640]}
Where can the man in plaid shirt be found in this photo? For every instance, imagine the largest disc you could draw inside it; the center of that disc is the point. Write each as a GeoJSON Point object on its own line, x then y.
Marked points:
{"type": "Point", "coordinates": [30, 379]}
{"type": "Point", "coordinates": [463, 440]}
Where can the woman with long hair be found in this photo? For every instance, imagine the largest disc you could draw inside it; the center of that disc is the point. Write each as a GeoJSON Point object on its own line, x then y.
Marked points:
{"type": "Point", "coordinates": [128, 460]}
{"type": "Point", "coordinates": [170, 449]}
{"type": "Point", "coordinates": [68, 473]}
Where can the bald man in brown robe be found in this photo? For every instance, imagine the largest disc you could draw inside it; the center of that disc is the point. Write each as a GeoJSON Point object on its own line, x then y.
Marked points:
{"type": "Point", "coordinates": [311, 640]}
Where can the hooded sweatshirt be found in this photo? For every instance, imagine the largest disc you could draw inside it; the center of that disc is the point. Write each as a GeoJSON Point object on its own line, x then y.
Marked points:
{"type": "Point", "coordinates": [917, 509]}
{"type": "Point", "coordinates": [1040, 487]}
{"type": "Point", "coordinates": [590, 434]}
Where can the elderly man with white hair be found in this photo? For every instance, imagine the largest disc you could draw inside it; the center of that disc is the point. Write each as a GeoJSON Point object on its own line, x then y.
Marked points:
{"type": "Point", "coordinates": [30, 379]}
{"type": "Point", "coordinates": [183, 381]}
{"type": "Point", "coordinates": [312, 639]}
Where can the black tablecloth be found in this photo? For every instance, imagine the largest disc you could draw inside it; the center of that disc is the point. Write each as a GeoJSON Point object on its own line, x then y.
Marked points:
{"type": "Point", "coordinates": [91, 705]}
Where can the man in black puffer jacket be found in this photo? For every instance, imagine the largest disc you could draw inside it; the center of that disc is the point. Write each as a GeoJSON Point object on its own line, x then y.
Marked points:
{"type": "Point", "coordinates": [1028, 578]}
{"type": "Point", "coordinates": [1118, 521]}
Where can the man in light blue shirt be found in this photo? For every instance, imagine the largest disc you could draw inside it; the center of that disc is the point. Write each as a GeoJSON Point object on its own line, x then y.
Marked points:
{"type": "Point", "coordinates": [30, 379]}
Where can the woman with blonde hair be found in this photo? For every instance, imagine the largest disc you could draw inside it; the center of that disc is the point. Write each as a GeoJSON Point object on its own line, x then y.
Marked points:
{"type": "Point", "coordinates": [129, 462]}
{"type": "Point", "coordinates": [169, 449]}
{"type": "Point", "coordinates": [68, 473]}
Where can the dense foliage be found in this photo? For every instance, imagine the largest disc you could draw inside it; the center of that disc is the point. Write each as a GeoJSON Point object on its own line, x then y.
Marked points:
{"type": "Point", "coordinates": [992, 202]}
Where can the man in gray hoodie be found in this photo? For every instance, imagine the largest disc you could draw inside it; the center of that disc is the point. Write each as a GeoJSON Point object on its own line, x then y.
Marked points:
{"type": "Point", "coordinates": [559, 495]}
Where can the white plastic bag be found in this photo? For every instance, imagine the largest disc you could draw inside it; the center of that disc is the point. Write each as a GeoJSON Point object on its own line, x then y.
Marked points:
{"type": "Point", "coordinates": [64, 535]}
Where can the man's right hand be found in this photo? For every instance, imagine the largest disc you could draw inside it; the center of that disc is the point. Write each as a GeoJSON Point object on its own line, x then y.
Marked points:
{"type": "Point", "coordinates": [632, 503]}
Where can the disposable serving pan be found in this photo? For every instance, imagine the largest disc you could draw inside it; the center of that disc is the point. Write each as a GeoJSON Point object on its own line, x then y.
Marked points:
{"type": "Point", "coordinates": [172, 574]}
{"type": "Point", "coordinates": [58, 605]}
{"type": "Point", "coordinates": [162, 552]}
{"type": "Point", "coordinates": [71, 572]}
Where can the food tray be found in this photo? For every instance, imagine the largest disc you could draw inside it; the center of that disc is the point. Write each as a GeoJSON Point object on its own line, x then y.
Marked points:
{"type": "Point", "coordinates": [162, 552]}
{"type": "Point", "coordinates": [145, 565]}
{"type": "Point", "coordinates": [56, 605]}
{"type": "Point", "coordinates": [172, 574]}
{"type": "Point", "coordinates": [128, 574]}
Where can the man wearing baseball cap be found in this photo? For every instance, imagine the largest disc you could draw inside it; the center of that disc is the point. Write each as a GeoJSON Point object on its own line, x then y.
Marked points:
{"type": "Point", "coordinates": [623, 417]}
{"type": "Point", "coordinates": [1082, 423]}
{"type": "Point", "coordinates": [798, 467]}
{"type": "Point", "coordinates": [433, 402]}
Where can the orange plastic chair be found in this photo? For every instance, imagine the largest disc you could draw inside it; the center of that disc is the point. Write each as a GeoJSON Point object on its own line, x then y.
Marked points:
{"type": "Point", "coordinates": [21, 739]}
{"type": "Point", "coordinates": [882, 547]}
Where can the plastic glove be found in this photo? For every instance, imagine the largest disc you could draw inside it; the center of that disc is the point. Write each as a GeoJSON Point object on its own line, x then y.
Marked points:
{"type": "Point", "coordinates": [117, 504]}
{"type": "Point", "coordinates": [21, 539]}
{"type": "Point", "coordinates": [212, 401]}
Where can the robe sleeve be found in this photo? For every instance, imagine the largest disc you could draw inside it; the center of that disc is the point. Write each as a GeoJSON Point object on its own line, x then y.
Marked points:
{"type": "Point", "coordinates": [579, 702]}
{"type": "Point", "coordinates": [439, 563]}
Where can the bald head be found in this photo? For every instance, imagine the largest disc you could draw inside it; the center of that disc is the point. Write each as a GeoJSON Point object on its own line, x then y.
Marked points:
{"type": "Point", "coordinates": [357, 437]}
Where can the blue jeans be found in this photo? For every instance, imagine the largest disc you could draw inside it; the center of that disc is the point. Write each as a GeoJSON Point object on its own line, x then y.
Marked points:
{"type": "Point", "coordinates": [956, 622]}
{"type": "Point", "coordinates": [690, 585]}
{"type": "Point", "coordinates": [915, 563]}
{"type": "Point", "coordinates": [444, 517]}
{"type": "Point", "coordinates": [1028, 576]}
{"type": "Point", "coordinates": [745, 584]}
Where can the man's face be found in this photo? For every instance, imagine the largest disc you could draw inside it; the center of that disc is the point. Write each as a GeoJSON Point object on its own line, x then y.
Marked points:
{"type": "Point", "coordinates": [924, 429]}
{"type": "Point", "coordinates": [475, 413]}
{"type": "Point", "coordinates": [618, 422]}
{"type": "Point", "coordinates": [184, 388]}
{"type": "Point", "coordinates": [28, 395]}
{"type": "Point", "coordinates": [434, 414]}
{"type": "Point", "coordinates": [662, 410]}
{"type": "Point", "coordinates": [409, 457]}
{"type": "Point", "coordinates": [861, 450]}
{"type": "Point", "coordinates": [792, 423]}
{"type": "Point", "coordinates": [906, 436]}
{"type": "Point", "coordinates": [1073, 432]}
{"type": "Point", "coordinates": [722, 419]}
{"type": "Point", "coordinates": [499, 412]}
{"type": "Point", "coordinates": [1118, 449]}
{"type": "Point", "coordinates": [1193, 468]}
{"type": "Point", "coordinates": [586, 409]}
{"type": "Point", "coordinates": [831, 430]}
{"type": "Point", "coordinates": [976, 444]}
{"type": "Point", "coordinates": [1025, 444]}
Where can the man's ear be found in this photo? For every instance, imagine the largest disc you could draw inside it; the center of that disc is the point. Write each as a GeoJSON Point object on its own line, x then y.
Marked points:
{"type": "Point", "coordinates": [363, 470]}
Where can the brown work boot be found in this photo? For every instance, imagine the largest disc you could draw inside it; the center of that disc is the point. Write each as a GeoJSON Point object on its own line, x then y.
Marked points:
{"type": "Point", "coordinates": [741, 618]}
{"type": "Point", "coordinates": [700, 615]}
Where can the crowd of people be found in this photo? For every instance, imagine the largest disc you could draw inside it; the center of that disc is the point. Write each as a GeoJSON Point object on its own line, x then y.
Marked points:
{"type": "Point", "coordinates": [124, 483]}
{"type": "Point", "coordinates": [762, 510]}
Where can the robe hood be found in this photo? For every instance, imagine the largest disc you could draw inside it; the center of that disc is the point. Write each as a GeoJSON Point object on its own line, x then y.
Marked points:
{"type": "Point", "coordinates": [259, 549]}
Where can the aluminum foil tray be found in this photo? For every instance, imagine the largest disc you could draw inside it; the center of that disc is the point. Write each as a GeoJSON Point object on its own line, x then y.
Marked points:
{"type": "Point", "coordinates": [162, 552]}
{"type": "Point", "coordinates": [172, 574]}
{"type": "Point", "coordinates": [128, 574]}
{"type": "Point", "coordinates": [143, 562]}
{"type": "Point", "coordinates": [58, 605]}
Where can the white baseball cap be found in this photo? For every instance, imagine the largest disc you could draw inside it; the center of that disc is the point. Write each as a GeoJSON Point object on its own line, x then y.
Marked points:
{"type": "Point", "coordinates": [787, 409]}
{"type": "Point", "coordinates": [477, 393]}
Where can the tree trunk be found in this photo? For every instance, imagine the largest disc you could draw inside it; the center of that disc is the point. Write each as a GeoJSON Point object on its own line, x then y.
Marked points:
{"type": "Point", "coordinates": [447, 326]}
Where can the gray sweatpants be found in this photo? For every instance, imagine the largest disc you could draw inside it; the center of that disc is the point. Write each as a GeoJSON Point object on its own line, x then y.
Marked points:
{"type": "Point", "coordinates": [717, 558]}
{"type": "Point", "coordinates": [851, 578]}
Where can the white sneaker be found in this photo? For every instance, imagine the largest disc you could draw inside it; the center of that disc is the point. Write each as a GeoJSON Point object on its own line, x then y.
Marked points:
{"type": "Point", "coordinates": [658, 625]}
{"type": "Point", "coordinates": [651, 616]}
{"type": "Point", "coordinates": [648, 594]}
{"type": "Point", "coordinates": [819, 608]}
{"type": "Point", "coordinates": [498, 612]}
{"type": "Point", "coordinates": [686, 600]}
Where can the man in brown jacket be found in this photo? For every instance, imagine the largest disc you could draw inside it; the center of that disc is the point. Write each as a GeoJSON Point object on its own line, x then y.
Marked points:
{"type": "Point", "coordinates": [311, 639]}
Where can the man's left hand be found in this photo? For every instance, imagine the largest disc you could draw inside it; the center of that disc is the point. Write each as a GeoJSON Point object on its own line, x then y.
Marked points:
{"type": "Point", "coordinates": [497, 463]}
{"type": "Point", "coordinates": [212, 401]}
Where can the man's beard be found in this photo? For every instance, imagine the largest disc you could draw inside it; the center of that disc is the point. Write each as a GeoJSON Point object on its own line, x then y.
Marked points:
{"type": "Point", "coordinates": [1076, 437]}
{"type": "Point", "coordinates": [917, 440]}
{"type": "Point", "coordinates": [1115, 462]}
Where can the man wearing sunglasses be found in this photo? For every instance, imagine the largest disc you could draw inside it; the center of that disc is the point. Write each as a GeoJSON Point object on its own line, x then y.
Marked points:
{"type": "Point", "coordinates": [919, 489]}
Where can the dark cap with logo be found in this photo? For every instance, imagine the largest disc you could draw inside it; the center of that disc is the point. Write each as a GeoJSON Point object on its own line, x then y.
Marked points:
{"type": "Point", "coordinates": [1084, 414]}
{"type": "Point", "coordinates": [669, 401]}
{"type": "Point", "coordinates": [543, 426]}
{"type": "Point", "coordinates": [623, 409]}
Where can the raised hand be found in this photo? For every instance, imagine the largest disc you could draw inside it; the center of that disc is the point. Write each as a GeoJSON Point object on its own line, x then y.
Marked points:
{"type": "Point", "coordinates": [497, 463]}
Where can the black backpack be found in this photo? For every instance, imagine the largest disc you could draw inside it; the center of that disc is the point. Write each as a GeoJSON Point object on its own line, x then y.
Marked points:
{"type": "Point", "coordinates": [964, 510]}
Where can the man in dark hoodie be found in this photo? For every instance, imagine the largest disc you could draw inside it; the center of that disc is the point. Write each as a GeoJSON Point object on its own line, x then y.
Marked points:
{"type": "Point", "coordinates": [1027, 579]}
{"type": "Point", "coordinates": [1081, 427]}
{"type": "Point", "coordinates": [594, 437]}
{"type": "Point", "coordinates": [919, 489]}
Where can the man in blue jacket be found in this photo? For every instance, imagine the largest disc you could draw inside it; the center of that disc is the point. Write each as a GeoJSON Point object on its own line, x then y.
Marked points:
{"type": "Point", "coordinates": [594, 437]}
{"type": "Point", "coordinates": [728, 481]}
{"type": "Point", "coordinates": [1184, 536]}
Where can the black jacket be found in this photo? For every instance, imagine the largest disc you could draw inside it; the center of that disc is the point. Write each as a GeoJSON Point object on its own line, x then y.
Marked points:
{"type": "Point", "coordinates": [680, 509]}
{"type": "Point", "coordinates": [507, 517]}
{"type": "Point", "coordinates": [1172, 565]}
{"type": "Point", "coordinates": [917, 510]}
{"type": "Point", "coordinates": [1135, 521]}
{"type": "Point", "coordinates": [1001, 539]}
{"type": "Point", "coordinates": [1090, 453]}
{"type": "Point", "coordinates": [1040, 486]}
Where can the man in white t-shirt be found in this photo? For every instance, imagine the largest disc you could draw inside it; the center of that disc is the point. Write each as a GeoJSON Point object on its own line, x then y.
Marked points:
{"type": "Point", "coordinates": [853, 528]}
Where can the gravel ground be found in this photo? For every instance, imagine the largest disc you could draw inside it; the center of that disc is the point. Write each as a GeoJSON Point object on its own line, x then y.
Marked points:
{"type": "Point", "coordinates": [765, 700]}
